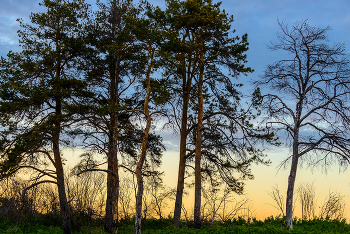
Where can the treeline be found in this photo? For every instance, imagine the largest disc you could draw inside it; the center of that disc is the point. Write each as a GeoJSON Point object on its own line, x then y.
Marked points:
{"type": "Point", "coordinates": [104, 80]}
{"type": "Point", "coordinates": [108, 80]}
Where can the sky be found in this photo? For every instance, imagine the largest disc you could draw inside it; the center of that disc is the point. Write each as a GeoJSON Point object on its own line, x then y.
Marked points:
{"type": "Point", "coordinates": [257, 18]}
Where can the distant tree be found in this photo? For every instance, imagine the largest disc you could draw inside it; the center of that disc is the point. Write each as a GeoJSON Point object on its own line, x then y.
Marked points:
{"type": "Point", "coordinates": [37, 92]}
{"type": "Point", "coordinates": [278, 199]}
{"type": "Point", "coordinates": [306, 197]}
{"type": "Point", "coordinates": [309, 99]}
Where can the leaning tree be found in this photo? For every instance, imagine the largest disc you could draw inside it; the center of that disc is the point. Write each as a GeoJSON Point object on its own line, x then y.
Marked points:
{"type": "Point", "coordinates": [308, 100]}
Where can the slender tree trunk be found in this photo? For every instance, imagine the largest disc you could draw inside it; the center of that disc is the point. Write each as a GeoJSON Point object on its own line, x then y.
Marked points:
{"type": "Point", "coordinates": [291, 181]}
{"type": "Point", "coordinates": [182, 163]}
{"type": "Point", "coordinates": [64, 207]}
{"type": "Point", "coordinates": [197, 173]}
{"type": "Point", "coordinates": [138, 214]}
{"type": "Point", "coordinates": [111, 219]}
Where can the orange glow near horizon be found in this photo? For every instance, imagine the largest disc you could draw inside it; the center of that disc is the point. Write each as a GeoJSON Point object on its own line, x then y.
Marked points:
{"type": "Point", "coordinates": [268, 176]}
{"type": "Point", "coordinates": [256, 190]}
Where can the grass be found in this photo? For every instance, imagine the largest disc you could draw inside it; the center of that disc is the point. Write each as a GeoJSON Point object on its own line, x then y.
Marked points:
{"type": "Point", "coordinates": [50, 224]}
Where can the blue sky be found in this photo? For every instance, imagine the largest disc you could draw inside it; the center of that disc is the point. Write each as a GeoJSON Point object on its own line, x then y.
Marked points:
{"type": "Point", "coordinates": [258, 18]}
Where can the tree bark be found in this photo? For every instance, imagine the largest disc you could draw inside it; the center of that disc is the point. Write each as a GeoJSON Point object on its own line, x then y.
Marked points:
{"type": "Point", "coordinates": [64, 207]}
{"type": "Point", "coordinates": [198, 176]}
{"type": "Point", "coordinates": [138, 214]}
{"type": "Point", "coordinates": [183, 141]}
{"type": "Point", "coordinates": [291, 181]}
{"type": "Point", "coordinates": [111, 219]}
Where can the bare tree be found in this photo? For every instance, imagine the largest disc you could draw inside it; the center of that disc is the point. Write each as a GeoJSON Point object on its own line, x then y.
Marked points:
{"type": "Point", "coordinates": [222, 205]}
{"type": "Point", "coordinates": [159, 194]}
{"type": "Point", "coordinates": [306, 194]}
{"type": "Point", "coordinates": [14, 203]}
{"type": "Point", "coordinates": [309, 99]}
{"type": "Point", "coordinates": [278, 199]}
{"type": "Point", "coordinates": [86, 193]}
{"type": "Point", "coordinates": [125, 197]}
{"type": "Point", "coordinates": [333, 206]}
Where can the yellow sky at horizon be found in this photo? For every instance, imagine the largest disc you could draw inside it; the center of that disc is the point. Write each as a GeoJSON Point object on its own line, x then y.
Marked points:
{"type": "Point", "coordinates": [268, 176]}
{"type": "Point", "coordinates": [265, 178]}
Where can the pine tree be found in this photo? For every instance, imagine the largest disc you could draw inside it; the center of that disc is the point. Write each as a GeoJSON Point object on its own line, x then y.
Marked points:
{"type": "Point", "coordinates": [37, 93]}
{"type": "Point", "coordinates": [202, 58]}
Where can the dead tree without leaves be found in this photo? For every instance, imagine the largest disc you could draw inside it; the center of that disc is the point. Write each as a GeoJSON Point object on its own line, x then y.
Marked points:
{"type": "Point", "coordinates": [278, 199]}
{"type": "Point", "coordinates": [222, 205]}
{"type": "Point", "coordinates": [333, 207]}
{"type": "Point", "coordinates": [307, 100]}
{"type": "Point", "coordinates": [306, 195]}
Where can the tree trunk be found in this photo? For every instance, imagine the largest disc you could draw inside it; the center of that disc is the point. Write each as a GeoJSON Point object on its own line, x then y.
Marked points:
{"type": "Point", "coordinates": [182, 163]}
{"type": "Point", "coordinates": [197, 168]}
{"type": "Point", "coordinates": [138, 214]}
{"type": "Point", "coordinates": [198, 176]}
{"type": "Point", "coordinates": [65, 212]}
{"type": "Point", "coordinates": [291, 181]}
{"type": "Point", "coordinates": [64, 207]}
{"type": "Point", "coordinates": [111, 219]}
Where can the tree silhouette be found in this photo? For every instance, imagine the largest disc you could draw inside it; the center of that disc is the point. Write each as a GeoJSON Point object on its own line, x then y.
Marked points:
{"type": "Point", "coordinates": [309, 99]}
{"type": "Point", "coordinates": [37, 93]}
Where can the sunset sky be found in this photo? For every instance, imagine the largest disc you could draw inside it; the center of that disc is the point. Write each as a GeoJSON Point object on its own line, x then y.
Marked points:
{"type": "Point", "coordinates": [258, 18]}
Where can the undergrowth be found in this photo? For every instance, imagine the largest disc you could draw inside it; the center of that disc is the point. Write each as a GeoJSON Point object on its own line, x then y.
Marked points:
{"type": "Point", "coordinates": [50, 224]}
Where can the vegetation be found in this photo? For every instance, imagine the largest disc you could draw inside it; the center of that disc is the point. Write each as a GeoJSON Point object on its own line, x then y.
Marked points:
{"type": "Point", "coordinates": [106, 81]}
{"type": "Point", "coordinates": [38, 86]}
{"type": "Point", "coordinates": [239, 225]}
{"type": "Point", "coordinates": [220, 213]}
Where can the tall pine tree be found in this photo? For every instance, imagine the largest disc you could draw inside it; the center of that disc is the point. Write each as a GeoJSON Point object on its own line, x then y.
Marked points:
{"type": "Point", "coordinates": [37, 93]}
{"type": "Point", "coordinates": [202, 58]}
